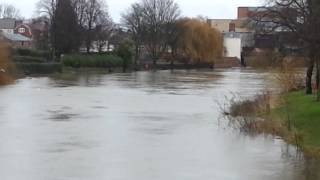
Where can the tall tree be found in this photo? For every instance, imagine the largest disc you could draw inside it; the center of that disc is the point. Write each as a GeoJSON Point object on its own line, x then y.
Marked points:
{"type": "Point", "coordinates": [94, 14]}
{"type": "Point", "coordinates": [133, 20]}
{"type": "Point", "coordinates": [104, 30]}
{"type": "Point", "coordinates": [150, 23]}
{"type": "Point", "coordinates": [65, 29]}
{"type": "Point", "coordinates": [157, 16]}
{"type": "Point", "coordinates": [299, 17]}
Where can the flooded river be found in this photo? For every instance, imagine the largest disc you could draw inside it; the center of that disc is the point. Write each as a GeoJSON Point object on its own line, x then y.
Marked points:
{"type": "Point", "coordinates": [137, 126]}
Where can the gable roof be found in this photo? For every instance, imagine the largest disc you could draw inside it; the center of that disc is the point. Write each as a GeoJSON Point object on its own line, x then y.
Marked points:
{"type": "Point", "coordinates": [15, 37]}
{"type": "Point", "coordinates": [7, 23]}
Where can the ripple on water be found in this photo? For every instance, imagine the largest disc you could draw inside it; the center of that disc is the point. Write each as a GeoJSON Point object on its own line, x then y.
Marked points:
{"type": "Point", "coordinates": [61, 115]}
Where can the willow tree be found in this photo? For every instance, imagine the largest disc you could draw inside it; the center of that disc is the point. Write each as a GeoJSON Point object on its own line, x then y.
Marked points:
{"type": "Point", "coordinates": [198, 42]}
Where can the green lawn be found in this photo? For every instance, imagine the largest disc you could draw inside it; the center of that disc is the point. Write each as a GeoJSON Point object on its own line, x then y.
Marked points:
{"type": "Point", "coordinates": [304, 113]}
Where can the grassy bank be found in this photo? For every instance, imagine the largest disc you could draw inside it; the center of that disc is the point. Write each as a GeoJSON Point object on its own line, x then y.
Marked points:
{"type": "Point", "coordinates": [293, 116]}
{"type": "Point", "coordinates": [303, 113]}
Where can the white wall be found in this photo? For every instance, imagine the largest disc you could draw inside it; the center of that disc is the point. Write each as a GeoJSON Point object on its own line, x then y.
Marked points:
{"type": "Point", "coordinates": [232, 47]}
{"type": "Point", "coordinates": [11, 31]}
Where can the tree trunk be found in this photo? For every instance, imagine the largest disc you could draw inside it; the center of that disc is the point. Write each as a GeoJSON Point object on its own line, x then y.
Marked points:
{"type": "Point", "coordinates": [88, 47]}
{"type": "Point", "coordinates": [317, 79]}
{"type": "Point", "coordinates": [309, 76]}
{"type": "Point", "coordinates": [136, 56]}
{"type": "Point", "coordinates": [154, 62]}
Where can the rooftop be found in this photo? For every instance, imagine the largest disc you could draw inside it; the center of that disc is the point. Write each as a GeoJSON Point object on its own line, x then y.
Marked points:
{"type": "Point", "coordinates": [15, 37]}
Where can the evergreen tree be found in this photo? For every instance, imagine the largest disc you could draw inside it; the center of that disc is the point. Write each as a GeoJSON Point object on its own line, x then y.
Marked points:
{"type": "Point", "coordinates": [65, 29]}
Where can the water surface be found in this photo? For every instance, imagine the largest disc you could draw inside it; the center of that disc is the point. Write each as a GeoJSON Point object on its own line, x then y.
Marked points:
{"type": "Point", "coordinates": [162, 125]}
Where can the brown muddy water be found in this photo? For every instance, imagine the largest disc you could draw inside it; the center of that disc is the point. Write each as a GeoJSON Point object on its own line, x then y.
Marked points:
{"type": "Point", "coordinates": [161, 125]}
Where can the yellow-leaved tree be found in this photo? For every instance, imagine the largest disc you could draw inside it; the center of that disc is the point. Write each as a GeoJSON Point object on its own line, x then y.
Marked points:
{"type": "Point", "coordinates": [198, 42]}
{"type": "Point", "coordinates": [5, 65]}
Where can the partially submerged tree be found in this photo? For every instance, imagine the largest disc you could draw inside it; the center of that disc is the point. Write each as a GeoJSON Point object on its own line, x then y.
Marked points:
{"type": "Point", "coordinates": [125, 52]}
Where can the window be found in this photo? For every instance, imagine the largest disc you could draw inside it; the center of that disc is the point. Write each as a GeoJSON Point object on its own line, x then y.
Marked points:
{"type": "Point", "coordinates": [21, 30]}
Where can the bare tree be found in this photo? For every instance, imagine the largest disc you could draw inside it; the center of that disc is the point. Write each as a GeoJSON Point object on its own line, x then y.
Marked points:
{"type": "Point", "coordinates": [103, 32]}
{"type": "Point", "coordinates": [9, 11]}
{"type": "Point", "coordinates": [80, 7]}
{"type": "Point", "coordinates": [151, 23]}
{"type": "Point", "coordinates": [47, 8]}
{"type": "Point", "coordinates": [299, 17]}
{"type": "Point", "coordinates": [158, 15]}
{"type": "Point", "coordinates": [133, 20]}
{"type": "Point", "coordinates": [94, 13]}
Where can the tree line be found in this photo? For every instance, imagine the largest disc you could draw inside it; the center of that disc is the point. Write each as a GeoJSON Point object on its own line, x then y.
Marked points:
{"type": "Point", "coordinates": [154, 28]}
{"type": "Point", "coordinates": [76, 23]}
{"type": "Point", "coordinates": [158, 27]}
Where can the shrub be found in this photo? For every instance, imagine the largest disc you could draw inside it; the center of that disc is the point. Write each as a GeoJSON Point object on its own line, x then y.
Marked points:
{"type": "Point", "coordinates": [94, 61]}
{"type": "Point", "coordinates": [29, 59]}
{"type": "Point", "coordinates": [39, 68]}
{"type": "Point", "coordinates": [32, 53]}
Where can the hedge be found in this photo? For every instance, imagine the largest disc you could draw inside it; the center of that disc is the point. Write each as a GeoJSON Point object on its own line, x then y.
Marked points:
{"type": "Point", "coordinates": [94, 61]}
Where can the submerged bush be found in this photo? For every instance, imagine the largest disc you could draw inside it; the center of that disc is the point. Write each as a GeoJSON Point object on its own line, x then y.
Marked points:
{"type": "Point", "coordinates": [94, 61]}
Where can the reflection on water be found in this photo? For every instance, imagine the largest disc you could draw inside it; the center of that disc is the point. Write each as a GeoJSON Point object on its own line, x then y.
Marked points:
{"type": "Point", "coordinates": [143, 125]}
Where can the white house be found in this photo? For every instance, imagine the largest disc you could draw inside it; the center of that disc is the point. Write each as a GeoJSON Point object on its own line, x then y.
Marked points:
{"type": "Point", "coordinates": [7, 25]}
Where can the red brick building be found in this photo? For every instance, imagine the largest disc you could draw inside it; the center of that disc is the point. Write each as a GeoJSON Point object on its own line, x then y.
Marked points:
{"type": "Point", "coordinates": [24, 30]}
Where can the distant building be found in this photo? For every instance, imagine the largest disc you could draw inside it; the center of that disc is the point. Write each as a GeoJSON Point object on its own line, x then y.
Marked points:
{"type": "Point", "coordinates": [35, 31]}
{"type": "Point", "coordinates": [232, 45]}
{"type": "Point", "coordinates": [240, 35]}
{"type": "Point", "coordinates": [7, 25]}
{"type": "Point", "coordinates": [247, 12]}
{"type": "Point", "coordinates": [237, 36]}
{"type": "Point", "coordinates": [16, 40]}
{"type": "Point", "coordinates": [222, 25]}
{"type": "Point", "coordinates": [40, 32]}
{"type": "Point", "coordinates": [24, 30]}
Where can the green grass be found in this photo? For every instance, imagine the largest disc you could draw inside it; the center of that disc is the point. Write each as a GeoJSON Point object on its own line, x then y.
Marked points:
{"type": "Point", "coordinates": [304, 114]}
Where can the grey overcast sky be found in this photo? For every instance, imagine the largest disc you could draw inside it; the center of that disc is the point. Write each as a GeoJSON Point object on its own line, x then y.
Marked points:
{"type": "Point", "coordinates": [207, 8]}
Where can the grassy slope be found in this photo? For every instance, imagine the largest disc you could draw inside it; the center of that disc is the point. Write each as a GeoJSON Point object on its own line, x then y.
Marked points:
{"type": "Point", "coordinates": [305, 115]}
